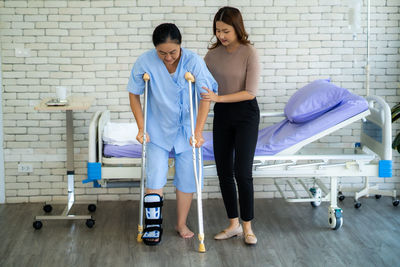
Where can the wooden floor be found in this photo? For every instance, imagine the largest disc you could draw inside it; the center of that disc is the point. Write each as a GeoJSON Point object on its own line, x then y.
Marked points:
{"type": "Point", "coordinates": [288, 234]}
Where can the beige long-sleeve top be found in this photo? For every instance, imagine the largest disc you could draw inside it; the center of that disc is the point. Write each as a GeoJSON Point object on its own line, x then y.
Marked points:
{"type": "Point", "coordinates": [236, 71]}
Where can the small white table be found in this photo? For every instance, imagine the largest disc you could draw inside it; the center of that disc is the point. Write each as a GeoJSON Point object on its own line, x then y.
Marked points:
{"type": "Point", "coordinates": [74, 103]}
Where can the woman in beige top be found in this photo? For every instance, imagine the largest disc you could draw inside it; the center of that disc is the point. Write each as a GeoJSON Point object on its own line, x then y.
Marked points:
{"type": "Point", "coordinates": [233, 62]}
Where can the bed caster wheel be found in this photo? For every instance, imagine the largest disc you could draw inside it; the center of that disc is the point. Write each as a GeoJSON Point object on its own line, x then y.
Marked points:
{"type": "Point", "coordinates": [378, 196]}
{"type": "Point", "coordinates": [341, 197]}
{"type": "Point", "coordinates": [90, 223]}
{"type": "Point", "coordinates": [37, 225]}
{"type": "Point", "coordinates": [357, 205]}
{"type": "Point", "coordinates": [316, 193]}
{"type": "Point", "coordinates": [92, 207]}
{"type": "Point", "coordinates": [47, 208]}
{"type": "Point", "coordinates": [335, 218]}
{"type": "Point", "coordinates": [395, 202]}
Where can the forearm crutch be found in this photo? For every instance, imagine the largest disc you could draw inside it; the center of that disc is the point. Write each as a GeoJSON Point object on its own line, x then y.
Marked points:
{"type": "Point", "coordinates": [146, 78]}
{"type": "Point", "coordinates": [196, 160]}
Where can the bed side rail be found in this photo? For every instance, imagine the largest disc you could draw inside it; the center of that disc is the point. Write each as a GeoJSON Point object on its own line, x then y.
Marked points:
{"type": "Point", "coordinates": [93, 166]}
{"type": "Point", "coordinates": [103, 120]}
{"type": "Point", "coordinates": [92, 153]}
{"type": "Point", "coordinates": [272, 114]}
{"type": "Point", "coordinates": [262, 114]}
{"type": "Point", "coordinates": [376, 133]}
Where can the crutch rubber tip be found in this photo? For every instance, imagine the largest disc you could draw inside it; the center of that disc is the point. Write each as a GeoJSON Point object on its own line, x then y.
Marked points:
{"type": "Point", "coordinates": [202, 248]}
{"type": "Point", "coordinates": [139, 238]}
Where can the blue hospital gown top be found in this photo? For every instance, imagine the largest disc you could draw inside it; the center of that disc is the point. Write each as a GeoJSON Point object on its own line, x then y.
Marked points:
{"type": "Point", "coordinates": [168, 112]}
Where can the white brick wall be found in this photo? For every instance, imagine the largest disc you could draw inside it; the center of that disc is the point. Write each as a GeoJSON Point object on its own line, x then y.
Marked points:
{"type": "Point", "coordinates": [90, 46]}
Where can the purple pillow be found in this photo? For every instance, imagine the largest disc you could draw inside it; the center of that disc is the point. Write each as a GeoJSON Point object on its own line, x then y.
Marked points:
{"type": "Point", "coordinates": [313, 100]}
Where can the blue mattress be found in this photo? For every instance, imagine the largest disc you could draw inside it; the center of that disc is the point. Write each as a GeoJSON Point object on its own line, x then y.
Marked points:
{"type": "Point", "coordinates": [272, 139]}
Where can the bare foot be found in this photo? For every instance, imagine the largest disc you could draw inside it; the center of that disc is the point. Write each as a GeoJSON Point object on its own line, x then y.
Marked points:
{"type": "Point", "coordinates": [184, 231]}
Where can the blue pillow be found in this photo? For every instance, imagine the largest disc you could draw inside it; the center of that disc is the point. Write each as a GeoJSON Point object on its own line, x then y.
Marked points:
{"type": "Point", "coordinates": [313, 100]}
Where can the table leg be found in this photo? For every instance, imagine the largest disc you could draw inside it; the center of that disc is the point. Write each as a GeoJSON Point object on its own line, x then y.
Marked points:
{"type": "Point", "coordinates": [70, 160]}
{"type": "Point", "coordinates": [71, 182]}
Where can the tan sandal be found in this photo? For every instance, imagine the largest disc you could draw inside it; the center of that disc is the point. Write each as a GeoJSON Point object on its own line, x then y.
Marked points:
{"type": "Point", "coordinates": [250, 239]}
{"type": "Point", "coordinates": [225, 234]}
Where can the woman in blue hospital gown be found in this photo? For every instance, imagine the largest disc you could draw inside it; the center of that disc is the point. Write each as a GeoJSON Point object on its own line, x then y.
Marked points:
{"type": "Point", "coordinates": [168, 117]}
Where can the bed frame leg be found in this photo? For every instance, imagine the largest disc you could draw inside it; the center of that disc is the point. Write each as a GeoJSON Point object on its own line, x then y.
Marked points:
{"type": "Point", "coordinates": [335, 213]}
{"type": "Point", "coordinates": [334, 192]}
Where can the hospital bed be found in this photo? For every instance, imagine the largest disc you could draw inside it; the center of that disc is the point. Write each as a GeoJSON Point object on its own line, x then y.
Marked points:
{"type": "Point", "coordinates": [301, 171]}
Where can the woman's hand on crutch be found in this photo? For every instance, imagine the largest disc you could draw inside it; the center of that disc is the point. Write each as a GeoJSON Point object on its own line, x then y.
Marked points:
{"type": "Point", "coordinates": [198, 139]}
{"type": "Point", "coordinates": [204, 106]}
{"type": "Point", "coordinates": [140, 135]}
{"type": "Point", "coordinates": [139, 117]}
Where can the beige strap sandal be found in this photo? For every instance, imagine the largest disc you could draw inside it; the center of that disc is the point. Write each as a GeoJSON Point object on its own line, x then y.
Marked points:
{"type": "Point", "coordinates": [226, 234]}
{"type": "Point", "coordinates": [250, 239]}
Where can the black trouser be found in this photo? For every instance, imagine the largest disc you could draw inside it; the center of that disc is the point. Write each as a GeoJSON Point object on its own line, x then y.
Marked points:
{"type": "Point", "coordinates": [235, 135]}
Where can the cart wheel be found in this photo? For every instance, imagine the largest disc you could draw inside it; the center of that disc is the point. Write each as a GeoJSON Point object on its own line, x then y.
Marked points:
{"type": "Point", "coordinates": [341, 197]}
{"type": "Point", "coordinates": [92, 207]}
{"type": "Point", "coordinates": [316, 193]}
{"type": "Point", "coordinates": [47, 208]}
{"type": "Point", "coordinates": [37, 225]}
{"type": "Point", "coordinates": [357, 205]}
{"type": "Point", "coordinates": [395, 202]}
{"type": "Point", "coordinates": [89, 223]}
{"type": "Point", "coordinates": [378, 196]}
{"type": "Point", "coordinates": [335, 219]}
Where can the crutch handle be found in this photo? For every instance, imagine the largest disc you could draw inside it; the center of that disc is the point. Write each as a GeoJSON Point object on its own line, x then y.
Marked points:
{"type": "Point", "coordinates": [189, 77]}
{"type": "Point", "coordinates": [146, 76]}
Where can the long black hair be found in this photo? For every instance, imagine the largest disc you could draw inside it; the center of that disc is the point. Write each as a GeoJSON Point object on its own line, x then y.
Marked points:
{"type": "Point", "coordinates": [166, 32]}
{"type": "Point", "coordinates": [233, 17]}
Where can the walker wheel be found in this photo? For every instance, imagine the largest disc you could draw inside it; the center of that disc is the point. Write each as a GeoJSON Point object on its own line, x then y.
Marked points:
{"type": "Point", "coordinates": [92, 207]}
{"type": "Point", "coordinates": [47, 208]}
{"type": "Point", "coordinates": [341, 197]}
{"type": "Point", "coordinates": [357, 205]}
{"type": "Point", "coordinates": [378, 196]}
{"type": "Point", "coordinates": [37, 225]}
{"type": "Point", "coordinates": [396, 202]}
{"type": "Point", "coordinates": [90, 223]}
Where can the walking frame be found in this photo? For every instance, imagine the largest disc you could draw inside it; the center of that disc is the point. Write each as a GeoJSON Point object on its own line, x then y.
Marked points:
{"type": "Point", "coordinates": [197, 163]}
